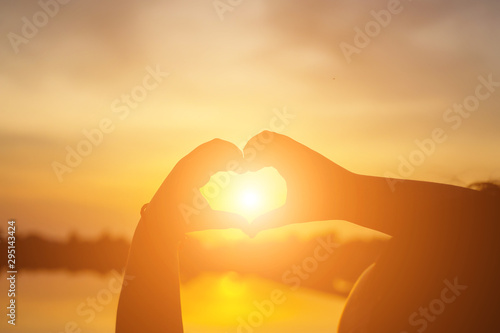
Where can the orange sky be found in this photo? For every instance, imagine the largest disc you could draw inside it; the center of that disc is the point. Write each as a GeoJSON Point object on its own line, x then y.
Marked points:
{"type": "Point", "coordinates": [227, 78]}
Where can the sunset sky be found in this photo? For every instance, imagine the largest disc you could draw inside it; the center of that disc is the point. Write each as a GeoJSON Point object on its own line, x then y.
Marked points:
{"type": "Point", "coordinates": [229, 74]}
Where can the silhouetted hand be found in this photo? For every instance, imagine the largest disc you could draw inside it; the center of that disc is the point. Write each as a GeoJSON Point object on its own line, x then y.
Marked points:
{"type": "Point", "coordinates": [151, 301]}
{"type": "Point", "coordinates": [178, 206]}
{"type": "Point", "coordinates": [317, 188]}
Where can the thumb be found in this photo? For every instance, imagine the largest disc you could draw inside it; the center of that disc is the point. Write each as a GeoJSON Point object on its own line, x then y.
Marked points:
{"type": "Point", "coordinates": [273, 219]}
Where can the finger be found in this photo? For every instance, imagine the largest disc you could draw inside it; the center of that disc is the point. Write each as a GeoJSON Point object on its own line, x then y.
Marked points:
{"type": "Point", "coordinates": [269, 149]}
{"type": "Point", "coordinates": [196, 168]}
{"type": "Point", "coordinates": [258, 151]}
{"type": "Point", "coordinates": [271, 220]}
{"type": "Point", "coordinates": [214, 219]}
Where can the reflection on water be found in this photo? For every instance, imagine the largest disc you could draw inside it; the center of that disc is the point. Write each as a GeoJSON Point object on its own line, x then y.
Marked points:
{"type": "Point", "coordinates": [60, 302]}
{"type": "Point", "coordinates": [212, 303]}
{"type": "Point", "coordinates": [234, 303]}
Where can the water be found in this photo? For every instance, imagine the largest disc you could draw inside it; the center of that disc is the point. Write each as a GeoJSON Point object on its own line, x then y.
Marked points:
{"type": "Point", "coordinates": [60, 302]}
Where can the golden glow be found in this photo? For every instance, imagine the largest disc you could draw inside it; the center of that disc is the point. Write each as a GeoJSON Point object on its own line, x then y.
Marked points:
{"type": "Point", "coordinates": [338, 109]}
{"type": "Point", "coordinates": [250, 195]}
{"type": "Point", "coordinates": [231, 287]}
{"type": "Point", "coordinates": [219, 302]}
{"type": "Point", "coordinates": [250, 198]}
{"type": "Point", "coordinates": [232, 79]}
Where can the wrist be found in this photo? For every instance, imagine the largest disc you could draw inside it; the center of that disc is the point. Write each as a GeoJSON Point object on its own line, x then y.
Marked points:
{"type": "Point", "coordinates": [161, 225]}
{"type": "Point", "coordinates": [149, 245]}
{"type": "Point", "coordinates": [353, 196]}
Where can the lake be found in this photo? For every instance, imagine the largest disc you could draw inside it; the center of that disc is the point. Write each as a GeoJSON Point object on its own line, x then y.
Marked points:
{"type": "Point", "coordinates": [61, 302]}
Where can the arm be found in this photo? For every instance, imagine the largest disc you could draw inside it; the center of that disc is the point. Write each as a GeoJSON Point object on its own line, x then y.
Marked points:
{"type": "Point", "coordinates": [424, 205]}
{"type": "Point", "coordinates": [150, 302]}
{"type": "Point", "coordinates": [319, 189]}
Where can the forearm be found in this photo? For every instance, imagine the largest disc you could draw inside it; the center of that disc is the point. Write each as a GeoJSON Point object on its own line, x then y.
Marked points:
{"type": "Point", "coordinates": [150, 302]}
{"type": "Point", "coordinates": [378, 206]}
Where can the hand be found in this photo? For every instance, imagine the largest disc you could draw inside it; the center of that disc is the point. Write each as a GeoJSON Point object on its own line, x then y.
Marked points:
{"type": "Point", "coordinates": [178, 206]}
{"type": "Point", "coordinates": [317, 188]}
{"type": "Point", "coordinates": [151, 301]}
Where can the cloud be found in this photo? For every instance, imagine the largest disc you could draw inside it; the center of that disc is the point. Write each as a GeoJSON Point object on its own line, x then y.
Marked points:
{"type": "Point", "coordinates": [227, 74]}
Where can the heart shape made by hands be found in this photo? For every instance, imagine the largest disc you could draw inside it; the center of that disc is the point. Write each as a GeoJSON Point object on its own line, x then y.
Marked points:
{"type": "Point", "coordinates": [251, 194]}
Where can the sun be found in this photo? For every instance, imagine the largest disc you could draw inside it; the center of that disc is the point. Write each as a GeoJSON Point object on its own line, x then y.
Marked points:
{"type": "Point", "coordinates": [250, 199]}
{"type": "Point", "coordinates": [250, 195]}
